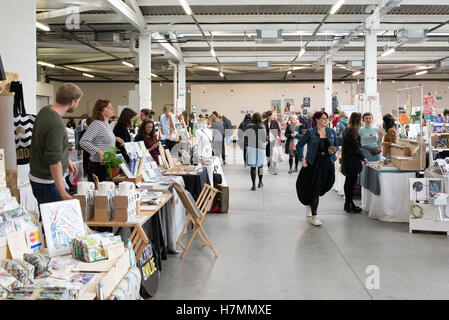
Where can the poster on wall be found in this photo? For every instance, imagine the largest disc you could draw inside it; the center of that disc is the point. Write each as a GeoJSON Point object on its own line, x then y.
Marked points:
{"type": "Point", "coordinates": [276, 105]}
{"type": "Point", "coordinates": [306, 102]}
{"type": "Point", "coordinates": [289, 105]}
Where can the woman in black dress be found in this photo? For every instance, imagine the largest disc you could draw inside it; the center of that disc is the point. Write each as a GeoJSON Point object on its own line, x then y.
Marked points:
{"type": "Point", "coordinates": [351, 159]}
{"type": "Point", "coordinates": [317, 174]}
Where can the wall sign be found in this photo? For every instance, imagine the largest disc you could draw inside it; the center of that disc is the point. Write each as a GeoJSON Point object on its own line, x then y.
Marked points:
{"type": "Point", "coordinates": [306, 102]}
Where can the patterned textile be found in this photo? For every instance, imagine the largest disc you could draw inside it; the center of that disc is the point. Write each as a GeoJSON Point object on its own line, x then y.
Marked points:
{"type": "Point", "coordinates": [21, 270]}
{"type": "Point", "coordinates": [7, 282]}
{"type": "Point", "coordinates": [37, 293]}
{"type": "Point", "coordinates": [93, 247]}
{"type": "Point", "coordinates": [129, 287]}
{"type": "Point", "coordinates": [41, 263]}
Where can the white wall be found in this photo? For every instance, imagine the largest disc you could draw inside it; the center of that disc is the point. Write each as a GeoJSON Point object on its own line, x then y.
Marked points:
{"type": "Point", "coordinates": [18, 45]}
{"type": "Point", "coordinates": [230, 99]}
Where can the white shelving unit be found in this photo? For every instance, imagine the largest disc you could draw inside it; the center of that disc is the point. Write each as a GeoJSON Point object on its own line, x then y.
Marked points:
{"type": "Point", "coordinates": [428, 225]}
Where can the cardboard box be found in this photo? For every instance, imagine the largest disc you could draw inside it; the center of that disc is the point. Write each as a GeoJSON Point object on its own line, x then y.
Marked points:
{"type": "Point", "coordinates": [222, 198]}
{"type": "Point", "coordinates": [125, 207]}
{"type": "Point", "coordinates": [410, 157]}
{"type": "Point", "coordinates": [87, 203]}
{"type": "Point", "coordinates": [103, 208]}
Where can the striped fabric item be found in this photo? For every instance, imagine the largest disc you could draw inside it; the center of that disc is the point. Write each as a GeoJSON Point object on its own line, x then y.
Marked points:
{"type": "Point", "coordinates": [98, 136]}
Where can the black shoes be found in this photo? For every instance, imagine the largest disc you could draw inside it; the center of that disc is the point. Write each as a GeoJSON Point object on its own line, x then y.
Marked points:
{"type": "Point", "coordinates": [260, 185]}
{"type": "Point", "coordinates": [290, 171]}
{"type": "Point", "coordinates": [296, 169]}
{"type": "Point", "coordinates": [253, 188]}
{"type": "Point", "coordinates": [350, 207]}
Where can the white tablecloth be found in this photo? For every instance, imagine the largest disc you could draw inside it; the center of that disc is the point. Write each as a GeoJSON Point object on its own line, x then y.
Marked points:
{"type": "Point", "coordinates": [393, 203]}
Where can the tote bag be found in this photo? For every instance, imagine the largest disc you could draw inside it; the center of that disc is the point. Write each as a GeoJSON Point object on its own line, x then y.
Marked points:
{"type": "Point", "coordinates": [23, 125]}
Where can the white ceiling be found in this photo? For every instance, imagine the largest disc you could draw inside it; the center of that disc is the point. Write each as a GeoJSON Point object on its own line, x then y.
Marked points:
{"type": "Point", "coordinates": [230, 27]}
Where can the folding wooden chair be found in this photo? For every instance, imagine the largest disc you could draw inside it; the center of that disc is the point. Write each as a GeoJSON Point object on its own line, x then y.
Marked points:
{"type": "Point", "coordinates": [196, 212]}
{"type": "Point", "coordinates": [139, 240]}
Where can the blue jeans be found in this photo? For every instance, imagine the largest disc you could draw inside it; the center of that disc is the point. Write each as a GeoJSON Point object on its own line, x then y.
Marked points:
{"type": "Point", "coordinates": [45, 193]}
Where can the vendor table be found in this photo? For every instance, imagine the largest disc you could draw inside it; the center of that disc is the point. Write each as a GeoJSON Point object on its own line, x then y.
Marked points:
{"type": "Point", "coordinates": [210, 171]}
{"type": "Point", "coordinates": [195, 181]}
{"type": "Point", "coordinates": [385, 193]}
{"type": "Point", "coordinates": [137, 224]}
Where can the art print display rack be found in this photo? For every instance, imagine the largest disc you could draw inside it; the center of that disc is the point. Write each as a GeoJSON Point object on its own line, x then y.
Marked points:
{"type": "Point", "coordinates": [426, 209]}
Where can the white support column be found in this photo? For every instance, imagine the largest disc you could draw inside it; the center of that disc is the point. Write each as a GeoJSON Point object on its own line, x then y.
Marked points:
{"type": "Point", "coordinates": [328, 85]}
{"type": "Point", "coordinates": [370, 61]}
{"type": "Point", "coordinates": [145, 70]}
{"type": "Point", "coordinates": [181, 87]}
{"type": "Point", "coordinates": [175, 87]}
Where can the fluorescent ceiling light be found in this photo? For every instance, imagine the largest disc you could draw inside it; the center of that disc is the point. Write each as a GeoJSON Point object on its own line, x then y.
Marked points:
{"type": "Point", "coordinates": [301, 53]}
{"type": "Point", "coordinates": [88, 75]}
{"type": "Point", "coordinates": [154, 75]}
{"type": "Point", "coordinates": [357, 73]}
{"type": "Point", "coordinates": [299, 68]}
{"type": "Point", "coordinates": [46, 64]}
{"type": "Point", "coordinates": [212, 52]}
{"type": "Point", "coordinates": [336, 6]}
{"type": "Point", "coordinates": [186, 7]}
{"type": "Point", "coordinates": [421, 72]}
{"type": "Point", "coordinates": [221, 74]}
{"type": "Point", "coordinates": [42, 26]}
{"type": "Point", "coordinates": [128, 64]}
{"type": "Point", "coordinates": [388, 52]}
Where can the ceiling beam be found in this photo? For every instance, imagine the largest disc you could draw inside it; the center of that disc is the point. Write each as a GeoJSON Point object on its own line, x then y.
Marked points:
{"type": "Point", "coordinates": [65, 12]}
{"type": "Point", "coordinates": [129, 14]}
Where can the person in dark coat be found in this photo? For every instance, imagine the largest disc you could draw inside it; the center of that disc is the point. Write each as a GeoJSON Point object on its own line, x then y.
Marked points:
{"type": "Point", "coordinates": [121, 129]}
{"type": "Point", "coordinates": [292, 133]}
{"type": "Point", "coordinates": [351, 160]}
{"type": "Point", "coordinates": [271, 124]}
{"type": "Point", "coordinates": [242, 127]}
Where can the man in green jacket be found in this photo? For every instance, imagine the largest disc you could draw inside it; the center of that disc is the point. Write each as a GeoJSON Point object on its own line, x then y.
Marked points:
{"type": "Point", "coordinates": [49, 159]}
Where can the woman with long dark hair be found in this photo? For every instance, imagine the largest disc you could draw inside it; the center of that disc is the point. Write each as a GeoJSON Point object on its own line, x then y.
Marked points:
{"type": "Point", "coordinates": [317, 175]}
{"type": "Point", "coordinates": [391, 135]}
{"type": "Point", "coordinates": [121, 129]}
{"type": "Point", "coordinates": [256, 138]}
{"type": "Point", "coordinates": [351, 160]}
{"type": "Point", "coordinates": [147, 134]}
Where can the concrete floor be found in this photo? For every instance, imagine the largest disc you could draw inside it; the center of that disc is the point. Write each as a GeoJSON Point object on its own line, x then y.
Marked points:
{"type": "Point", "coordinates": [268, 250]}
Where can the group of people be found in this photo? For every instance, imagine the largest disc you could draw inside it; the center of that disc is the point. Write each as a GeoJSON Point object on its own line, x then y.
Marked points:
{"type": "Point", "coordinates": [317, 176]}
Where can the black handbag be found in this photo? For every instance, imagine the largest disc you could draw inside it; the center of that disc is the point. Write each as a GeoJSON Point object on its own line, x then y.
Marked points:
{"type": "Point", "coordinates": [217, 177]}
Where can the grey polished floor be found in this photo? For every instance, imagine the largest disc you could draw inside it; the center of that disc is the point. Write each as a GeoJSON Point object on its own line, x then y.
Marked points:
{"type": "Point", "coordinates": [268, 250]}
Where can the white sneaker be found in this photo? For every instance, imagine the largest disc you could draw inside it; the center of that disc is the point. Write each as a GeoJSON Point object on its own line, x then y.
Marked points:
{"type": "Point", "coordinates": [316, 222]}
{"type": "Point", "coordinates": [308, 212]}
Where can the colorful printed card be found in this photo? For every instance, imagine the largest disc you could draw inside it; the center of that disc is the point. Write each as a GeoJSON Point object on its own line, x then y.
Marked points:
{"type": "Point", "coordinates": [62, 222]}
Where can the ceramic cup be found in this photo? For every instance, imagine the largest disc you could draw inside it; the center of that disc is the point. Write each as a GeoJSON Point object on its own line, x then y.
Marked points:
{"type": "Point", "coordinates": [85, 187]}
{"type": "Point", "coordinates": [105, 188]}
{"type": "Point", "coordinates": [126, 188]}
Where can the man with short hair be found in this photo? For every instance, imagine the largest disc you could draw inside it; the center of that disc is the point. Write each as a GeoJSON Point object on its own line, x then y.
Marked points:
{"type": "Point", "coordinates": [167, 124]}
{"type": "Point", "coordinates": [49, 159]}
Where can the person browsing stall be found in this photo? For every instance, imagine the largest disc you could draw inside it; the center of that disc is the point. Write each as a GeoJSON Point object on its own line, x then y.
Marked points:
{"type": "Point", "coordinates": [147, 134]}
{"type": "Point", "coordinates": [167, 127]}
{"type": "Point", "coordinates": [98, 138]}
{"type": "Point", "coordinates": [121, 129]}
{"type": "Point", "coordinates": [351, 160]}
{"type": "Point", "coordinates": [391, 135]}
{"type": "Point", "coordinates": [49, 160]}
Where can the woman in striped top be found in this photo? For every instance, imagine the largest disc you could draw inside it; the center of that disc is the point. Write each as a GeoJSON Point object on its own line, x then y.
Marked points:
{"type": "Point", "coordinates": [98, 138]}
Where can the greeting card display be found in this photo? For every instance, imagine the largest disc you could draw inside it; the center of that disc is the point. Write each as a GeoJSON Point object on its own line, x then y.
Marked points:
{"type": "Point", "coordinates": [418, 189]}
{"type": "Point", "coordinates": [62, 222]}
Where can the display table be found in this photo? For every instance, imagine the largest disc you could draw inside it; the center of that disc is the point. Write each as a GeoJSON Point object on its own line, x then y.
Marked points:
{"type": "Point", "coordinates": [210, 171]}
{"type": "Point", "coordinates": [195, 181]}
{"type": "Point", "coordinates": [139, 221]}
{"type": "Point", "coordinates": [385, 193]}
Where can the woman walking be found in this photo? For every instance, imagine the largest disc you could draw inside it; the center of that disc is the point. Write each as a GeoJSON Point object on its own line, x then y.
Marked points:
{"type": "Point", "coordinates": [218, 140]}
{"type": "Point", "coordinates": [292, 133]}
{"type": "Point", "coordinates": [256, 137]}
{"type": "Point", "coordinates": [240, 132]}
{"type": "Point", "coordinates": [317, 175]}
{"type": "Point", "coordinates": [351, 160]}
{"type": "Point", "coordinates": [121, 129]}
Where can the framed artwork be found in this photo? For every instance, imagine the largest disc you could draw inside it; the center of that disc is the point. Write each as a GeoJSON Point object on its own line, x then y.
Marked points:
{"type": "Point", "coordinates": [418, 189]}
{"type": "Point", "coordinates": [276, 105]}
{"type": "Point", "coordinates": [289, 105]}
{"type": "Point", "coordinates": [62, 222]}
{"type": "Point", "coordinates": [435, 187]}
